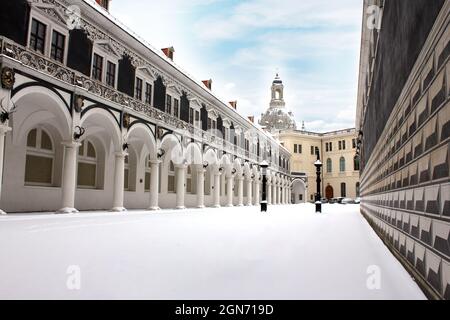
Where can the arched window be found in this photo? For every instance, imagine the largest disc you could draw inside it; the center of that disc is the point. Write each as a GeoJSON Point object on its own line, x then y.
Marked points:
{"type": "Point", "coordinates": [329, 165]}
{"type": "Point", "coordinates": [356, 163]}
{"type": "Point", "coordinates": [342, 164]}
{"type": "Point", "coordinates": [147, 174]}
{"type": "Point", "coordinates": [171, 187]}
{"type": "Point", "coordinates": [277, 94]}
{"type": "Point", "coordinates": [87, 165]}
{"type": "Point", "coordinates": [39, 158]}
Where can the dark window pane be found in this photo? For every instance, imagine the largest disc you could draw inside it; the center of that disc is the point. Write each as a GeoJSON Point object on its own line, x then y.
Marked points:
{"type": "Point", "coordinates": [58, 44]}
{"type": "Point", "coordinates": [97, 67]}
{"type": "Point", "coordinates": [37, 36]}
{"type": "Point", "coordinates": [111, 74]}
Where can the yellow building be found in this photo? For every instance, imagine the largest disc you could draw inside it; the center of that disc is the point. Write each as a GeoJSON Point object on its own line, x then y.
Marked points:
{"type": "Point", "coordinates": [337, 149]}
{"type": "Point", "coordinates": [340, 171]}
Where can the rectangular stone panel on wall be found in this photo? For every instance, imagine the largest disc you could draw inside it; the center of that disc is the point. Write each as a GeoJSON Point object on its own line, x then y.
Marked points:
{"type": "Point", "coordinates": [405, 184]}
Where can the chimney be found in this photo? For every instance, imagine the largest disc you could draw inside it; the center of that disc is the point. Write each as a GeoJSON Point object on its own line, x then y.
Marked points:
{"type": "Point", "coordinates": [103, 3]}
{"type": "Point", "coordinates": [251, 119]}
{"type": "Point", "coordinates": [207, 83]}
{"type": "Point", "coordinates": [169, 52]}
{"type": "Point", "coordinates": [233, 104]}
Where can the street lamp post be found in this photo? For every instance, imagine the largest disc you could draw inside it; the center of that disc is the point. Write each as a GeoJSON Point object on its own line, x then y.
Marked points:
{"type": "Point", "coordinates": [318, 165]}
{"type": "Point", "coordinates": [264, 166]}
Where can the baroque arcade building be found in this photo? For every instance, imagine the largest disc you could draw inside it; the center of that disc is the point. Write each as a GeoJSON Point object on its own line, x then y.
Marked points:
{"type": "Point", "coordinates": [94, 118]}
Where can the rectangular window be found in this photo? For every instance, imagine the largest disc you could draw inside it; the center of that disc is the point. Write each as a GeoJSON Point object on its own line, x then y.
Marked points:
{"type": "Point", "coordinates": [97, 67]}
{"type": "Point", "coordinates": [331, 146]}
{"type": "Point", "coordinates": [295, 148]}
{"type": "Point", "coordinates": [38, 170]}
{"type": "Point", "coordinates": [176, 108]}
{"type": "Point", "coordinates": [343, 144]}
{"type": "Point", "coordinates": [148, 93]}
{"type": "Point", "coordinates": [138, 89]}
{"type": "Point", "coordinates": [191, 116]}
{"type": "Point", "coordinates": [197, 116]}
{"type": "Point", "coordinates": [168, 104]}
{"type": "Point", "coordinates": [111, 74]}
{"type": "Point", "coordinates": [354, 143]}
{"type": "Point", "coordinates": [299, 148]}
{"type": "Point", "coordinates": [340, 145]}
{"type": "Point", "coordinates": [37, 36]}
{"type": "Point", "coordinates": [58, 44]}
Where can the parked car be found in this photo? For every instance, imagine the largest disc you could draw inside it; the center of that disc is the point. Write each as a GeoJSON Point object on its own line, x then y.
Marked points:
{"type": "Point", "coordinates": [339, 199]}
{"type": "Point", "coordinates": [332, 200]}
{"type": "Point", "coordinates": [324, 200]}
{"type": "Point", "coordinates": [358, 200]}
{"type": "Point", "coordinates": [347, 201]}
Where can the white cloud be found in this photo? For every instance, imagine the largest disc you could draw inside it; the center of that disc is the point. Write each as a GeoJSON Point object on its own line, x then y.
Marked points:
{"type": "Point", "coordinates": [313, 43]}
{"type": "Point", "coordinates": [254, 14]}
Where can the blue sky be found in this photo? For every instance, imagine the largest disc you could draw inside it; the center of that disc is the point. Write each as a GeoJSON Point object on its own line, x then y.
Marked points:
{"type": "Point", "coordinates": [314, 45]}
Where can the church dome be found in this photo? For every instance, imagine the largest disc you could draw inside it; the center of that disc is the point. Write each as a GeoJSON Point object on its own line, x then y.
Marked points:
{"type": "Point", "coordinates": [277, 117]}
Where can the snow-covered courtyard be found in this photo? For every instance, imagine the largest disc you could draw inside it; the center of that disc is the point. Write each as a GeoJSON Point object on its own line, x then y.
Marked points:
{"type": "Point", "coordinates": [226, 253]}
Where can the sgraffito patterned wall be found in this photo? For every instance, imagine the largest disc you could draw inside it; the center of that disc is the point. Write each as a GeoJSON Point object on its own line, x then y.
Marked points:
{"type": "Point", "coordinates": [405, 184]}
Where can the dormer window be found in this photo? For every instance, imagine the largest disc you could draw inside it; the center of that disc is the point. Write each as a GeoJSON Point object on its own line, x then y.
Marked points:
{"type": "Point", "coordinates": [103, 3]}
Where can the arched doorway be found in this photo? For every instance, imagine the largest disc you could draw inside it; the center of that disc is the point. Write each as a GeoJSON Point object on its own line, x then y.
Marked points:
{"type": "Point", "coordinates": [329, 192]}
{"type": "Point", "coordinates": [298, 193]}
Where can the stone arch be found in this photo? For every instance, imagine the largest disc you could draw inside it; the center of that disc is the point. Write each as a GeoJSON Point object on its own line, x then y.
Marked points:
{"type": "Point", "coordinates": [46, 107]}
{"type": "Point", "coordinates": [141, 137]}
{"type": "Point", "coordinates": [298, 191]}
{"type": "Point", "coordinates": [193, 154]}
{"type": "Point", "coordinates": [101, 123]}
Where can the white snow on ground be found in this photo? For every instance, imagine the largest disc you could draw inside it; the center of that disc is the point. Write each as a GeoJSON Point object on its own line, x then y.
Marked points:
{"type": "Point", "coordinates": [227, 253]}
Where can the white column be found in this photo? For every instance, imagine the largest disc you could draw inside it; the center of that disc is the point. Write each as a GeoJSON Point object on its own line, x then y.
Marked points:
{"type": "Point", "coordinates": [154, 184]}
{"type": "Point", "coordinates": [119, 175]}
{"type": "Point", "coordinates": [3, 131]}
{"type": "Point", "coordinates": [181, 185]}
{"type": "Point", "coordinates": [216, 190]}
{"type": "Point", "coordinates": [230, 191]}
{"type": "Point", "coordinates": [278, 193]}
{"type": "Point", "coordinates": [69, 178]}
{"type": "Point", "coordinates": [257, 188]}
{"type": "Point", "coordinates": [241, 191]}
{"type": "Point", "coordinates": [274, 193]}
{"type": "Point", "coordinates": [249, 192]}
{"type": "Point", "coordinates": [269, 193]}
{"type": "Point", "coordinates": [201, 187]}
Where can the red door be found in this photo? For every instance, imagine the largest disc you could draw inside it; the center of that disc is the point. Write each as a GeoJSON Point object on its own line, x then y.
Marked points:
{"type": "Point", "coordinates": [329, 192]}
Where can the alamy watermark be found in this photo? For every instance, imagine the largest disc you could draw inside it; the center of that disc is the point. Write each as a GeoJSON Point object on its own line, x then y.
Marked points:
{"type": "Point", "coordinates": [373, 281]}
{"type": "Point", "coordinates": [73, 281]}
{"type": "Point", "coordinates": [375, 14]}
